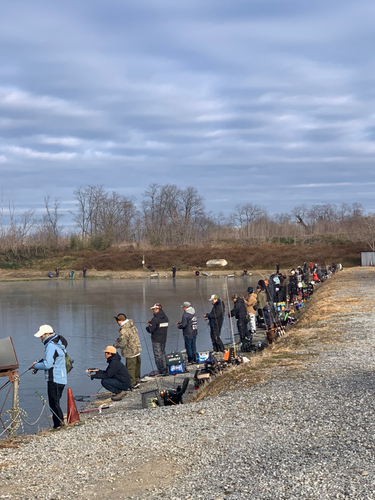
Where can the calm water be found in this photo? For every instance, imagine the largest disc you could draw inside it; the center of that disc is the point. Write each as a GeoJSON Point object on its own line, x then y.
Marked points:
{"type": "Point", "coordinates": [82, 311]}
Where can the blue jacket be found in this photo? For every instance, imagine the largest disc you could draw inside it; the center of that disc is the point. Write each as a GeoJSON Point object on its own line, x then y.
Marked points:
{"type": "Point", "coordinates": [53, 362]}
{"type": "Point", "coordinates": [189, 323]}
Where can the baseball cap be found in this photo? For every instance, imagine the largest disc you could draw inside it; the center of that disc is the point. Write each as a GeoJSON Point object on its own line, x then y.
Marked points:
{"type": "Point", "coordinates": [43, 330]}
{"type": "Point", "coordinates": [157, 306]}
{"type": "Point", "coordinates": [214, 296]}
{"type": "Point", "coordinates": [234, 296]}
{"type": "Point", "coordinates": [110, 349]}
{"type": "Point", "coordinates": [120, 317]}
{"type": "Point", "coordinates": [186, 304]}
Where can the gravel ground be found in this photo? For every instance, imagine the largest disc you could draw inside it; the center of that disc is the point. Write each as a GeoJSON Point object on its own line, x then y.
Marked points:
{"type": "Point", "coordinates": [303, 434]}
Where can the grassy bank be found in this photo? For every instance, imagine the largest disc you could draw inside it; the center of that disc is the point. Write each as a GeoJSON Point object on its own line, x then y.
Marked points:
{"type": "Point", "coordinates": [186, 258]}
{"type": "Point", "coordinates": [315, 331]}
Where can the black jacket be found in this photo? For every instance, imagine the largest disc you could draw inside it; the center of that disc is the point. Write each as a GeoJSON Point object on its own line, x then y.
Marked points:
{"type": "Point", "coordinates": [239, 310]}
{"type": "Point", "coordinates": [158, 327]}
{"type": "Point", "coordinates": [115, 370]}
{"type": "Point", "coordinates": [216, 316]}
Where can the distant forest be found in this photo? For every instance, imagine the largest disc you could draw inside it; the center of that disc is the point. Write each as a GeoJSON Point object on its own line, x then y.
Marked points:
{"type": "Point", "coordinates": [168, 216]}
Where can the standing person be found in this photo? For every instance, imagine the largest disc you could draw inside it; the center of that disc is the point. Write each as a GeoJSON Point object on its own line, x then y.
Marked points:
{"type": "Point", "coordinates": [116, 377]}
{"type": "Point", "coordinates": [277, 268]}
{"type": "Point", "coordinates": [216, 319]}
{"type": "Point", "coordinates": [251, 306]}
{"type": "Point", "coordinates": [239, 311]}
{"type": "Point", "coordinates": [158, 327]}
{"type": "Point", "coordinates": [84, 271]}
{"type": "Point", "coordinates": [57, 273]}
{"type": "Point", "coordinates": [263, 304]}
{"type": "Point", "coordinates": [188, 325]}
{"type": "Point", "coordinates": [130, 345]}
{"type": "Point", "coordinates": [174, 271]}
{"type": "Point", "coordinates": [54, 368]}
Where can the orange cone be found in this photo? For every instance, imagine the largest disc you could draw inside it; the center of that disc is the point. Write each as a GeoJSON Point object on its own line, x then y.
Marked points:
{"type": "Point", "coordinates": [72, 413]}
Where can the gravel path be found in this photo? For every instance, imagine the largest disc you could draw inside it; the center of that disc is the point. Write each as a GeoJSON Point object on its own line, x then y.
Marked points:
{"type": "Point", "coordinates": [303, 434]}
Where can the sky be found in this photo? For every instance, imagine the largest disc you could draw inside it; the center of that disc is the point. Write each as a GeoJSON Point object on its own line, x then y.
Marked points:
{"type": "Point", "coordinates": [264, 101]}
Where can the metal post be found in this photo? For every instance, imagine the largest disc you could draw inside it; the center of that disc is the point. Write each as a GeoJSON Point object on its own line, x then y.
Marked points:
{"type": "Point", "coordinates": [14, 425]}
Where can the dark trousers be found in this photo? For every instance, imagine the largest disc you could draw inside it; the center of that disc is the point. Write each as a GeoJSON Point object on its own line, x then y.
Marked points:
{"type": "Point", "coordinates": [133, 365]}
{"type": "Point", "coordinates": [267, 317]}
{"type": "Point", "coordinates": [159, 355]}
{"type": "Point", "coordinates": [191, 349]}
{"type": "Point", "coordinates": [217, 344]}
{"type": "Point", "coordinates": [242, 328]}
{"type": "Point", "coordinates": [54, 392]}
{"type": "Point", "coordinates": [114, 385]}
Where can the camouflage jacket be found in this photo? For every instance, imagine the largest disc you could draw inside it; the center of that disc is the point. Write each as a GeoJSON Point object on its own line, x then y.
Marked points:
{"type": "Point", "coordinates": [128, 340]}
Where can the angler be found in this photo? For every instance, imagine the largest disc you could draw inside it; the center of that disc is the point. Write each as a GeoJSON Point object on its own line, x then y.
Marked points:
{"type": "Point", "coordinates": [116, 377]}
{"type": "Point", "coordinates": [54, 368]}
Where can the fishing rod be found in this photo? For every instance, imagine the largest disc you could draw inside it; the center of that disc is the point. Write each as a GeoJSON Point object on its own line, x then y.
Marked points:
{"type": "Point", "coordinates": [83, 398]}
{"type": "Point", "coordinates": [19, 376]}
{"type": "Point", "coordinates": [36, 393]}
{"type": "Point", "coordinates": [230, 321]}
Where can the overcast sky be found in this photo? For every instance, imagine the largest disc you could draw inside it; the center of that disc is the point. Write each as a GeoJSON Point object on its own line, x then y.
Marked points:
{"type": "Point", "coordinates": [263, 101]}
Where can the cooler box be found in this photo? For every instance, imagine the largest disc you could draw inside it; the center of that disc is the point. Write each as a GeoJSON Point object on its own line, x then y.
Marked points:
{"type": "Point", "coordinates": [203, 357]}
{"type": "Point", "coordinates": [174, 358]}
{"type": "Point", "coordinates": [174, 369]}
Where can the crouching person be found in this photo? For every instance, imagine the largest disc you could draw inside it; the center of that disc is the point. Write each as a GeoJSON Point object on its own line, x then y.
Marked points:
{"type": "Point", "coordinates": [116, 377]}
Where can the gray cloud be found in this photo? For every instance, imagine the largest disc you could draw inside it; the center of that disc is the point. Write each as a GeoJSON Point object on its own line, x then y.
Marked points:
{"type": "Point", "coordinates": [269, 102]}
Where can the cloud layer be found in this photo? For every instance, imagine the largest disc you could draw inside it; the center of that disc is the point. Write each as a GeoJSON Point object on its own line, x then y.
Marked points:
{"type": "Point", "coordinates": [264, 101]}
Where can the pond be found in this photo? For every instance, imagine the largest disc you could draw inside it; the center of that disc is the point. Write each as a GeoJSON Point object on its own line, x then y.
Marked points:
{"type": "Point", "coordinates": [83, 312]}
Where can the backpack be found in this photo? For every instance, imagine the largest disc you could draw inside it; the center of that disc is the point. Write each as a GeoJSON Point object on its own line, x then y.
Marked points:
{"type": "Point", "coordinates": [68, 362]}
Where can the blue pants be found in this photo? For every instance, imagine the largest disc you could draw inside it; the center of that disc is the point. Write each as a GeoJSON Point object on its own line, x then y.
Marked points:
{"type": "Point", "coordinates": [191, 349]}
{"type": "Point", "coordinates": [267, 317]}
{"type": "Point", "coordinates": [114, 385]}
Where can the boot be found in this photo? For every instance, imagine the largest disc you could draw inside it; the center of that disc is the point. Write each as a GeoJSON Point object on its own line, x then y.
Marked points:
{"type": "Point", "coordinates": [119, 396]}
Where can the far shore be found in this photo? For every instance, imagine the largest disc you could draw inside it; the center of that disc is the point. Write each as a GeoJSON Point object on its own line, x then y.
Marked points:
{"type": "Point", "coordinates": [34, 275]}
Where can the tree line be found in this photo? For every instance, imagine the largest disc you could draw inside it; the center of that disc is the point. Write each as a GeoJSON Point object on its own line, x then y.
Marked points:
{"type": "Point", "coordinates": [170, 216]}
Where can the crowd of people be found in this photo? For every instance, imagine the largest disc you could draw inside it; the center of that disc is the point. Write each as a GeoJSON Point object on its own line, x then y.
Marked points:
{"type": "Point", "coordinates": [262, 304]}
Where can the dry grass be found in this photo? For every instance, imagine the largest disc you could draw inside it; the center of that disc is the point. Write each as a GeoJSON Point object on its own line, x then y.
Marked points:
{"type": "Point", "coordinates": [238, 256]}
{"type": "Point", "coordinates": [315, 331]}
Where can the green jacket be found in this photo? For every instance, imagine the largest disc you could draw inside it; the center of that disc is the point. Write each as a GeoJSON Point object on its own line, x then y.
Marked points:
{"type": "Point", "coordinates": [262, 299]}
{"type": "Point", "coordinates": [128, 340]}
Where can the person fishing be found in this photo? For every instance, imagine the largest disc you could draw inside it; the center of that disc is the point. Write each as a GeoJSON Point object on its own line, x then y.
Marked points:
{"type": "Point", "coordinates": [54, 368]}
{"type": "Point", "coordinates": [216, 319]}
{"type": "Point", "coordinates": [116, 377]}
{"type": "Point", "coordinates": [158, 328]}
{"type": "Point", "coordinates": [188, 325]}
{"type": "Point", "coordinates": [263, 300]}
{"type": "Point", "coordinates": [239, 311]}
{"type": "Point", "coordinates": [251, 306]}
{"type": "Point", "coordinates": [130, 345]}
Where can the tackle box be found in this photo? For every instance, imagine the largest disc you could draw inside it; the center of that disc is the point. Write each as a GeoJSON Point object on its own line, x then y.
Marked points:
{"type": "Point", "coordinates": [151, 399]}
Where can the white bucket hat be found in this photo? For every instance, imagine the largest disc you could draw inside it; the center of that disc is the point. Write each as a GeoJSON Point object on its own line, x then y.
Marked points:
{"type": "Point", "coordinates": [43, 330]}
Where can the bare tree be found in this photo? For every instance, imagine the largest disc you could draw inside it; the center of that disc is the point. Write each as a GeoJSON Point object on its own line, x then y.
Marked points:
{"type": "Point", "coordinates": [51, 219]}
